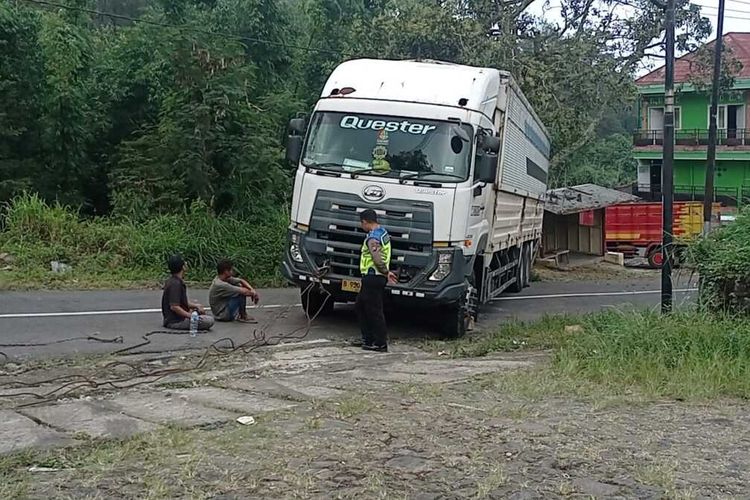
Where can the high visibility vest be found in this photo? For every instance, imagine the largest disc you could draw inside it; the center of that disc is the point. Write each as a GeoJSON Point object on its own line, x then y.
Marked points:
{"type": "Point", "coordinates": [366, 264]}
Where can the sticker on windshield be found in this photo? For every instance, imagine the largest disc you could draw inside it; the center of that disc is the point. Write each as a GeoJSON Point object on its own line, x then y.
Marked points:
{"type": "Point", "coordinates": [382, 139]}
{"type": "Point", "coordinates": [355, 122]}
{"type": "Point", "coordinates": [351, 165]}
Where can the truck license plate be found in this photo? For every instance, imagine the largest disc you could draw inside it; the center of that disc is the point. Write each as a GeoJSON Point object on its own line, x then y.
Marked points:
{"type": "Point", "coordinates": [351, 286]}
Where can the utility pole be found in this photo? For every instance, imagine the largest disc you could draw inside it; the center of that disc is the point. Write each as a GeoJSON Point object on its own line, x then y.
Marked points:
{"type": "Point", "coordinates": [667, 180]}
{"type": "Point", "coordinates": [708, 197]}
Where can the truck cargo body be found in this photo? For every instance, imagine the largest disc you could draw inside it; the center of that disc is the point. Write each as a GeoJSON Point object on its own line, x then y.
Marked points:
{"type": "Point", "coordinates": [453, 160]}
{"type": "Point", "coordinates": [635, 229]}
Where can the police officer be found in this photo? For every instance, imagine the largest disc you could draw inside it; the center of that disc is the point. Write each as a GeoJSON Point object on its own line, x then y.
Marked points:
{"type": "Point", "coordinates": [374, 265]}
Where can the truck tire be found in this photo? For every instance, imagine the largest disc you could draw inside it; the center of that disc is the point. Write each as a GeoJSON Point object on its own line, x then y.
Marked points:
{"type": "Point", "coordinates": [316, 304]}
{"type": "Point", "coordinates": [456, 320]}
{"type": "Point", "coordinates": [518, 273]}
{"type": "Point", "coordinates": [655, 258]}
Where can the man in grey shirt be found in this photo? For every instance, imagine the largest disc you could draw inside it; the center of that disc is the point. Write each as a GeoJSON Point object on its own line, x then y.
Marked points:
{"type": "Point", "coordinates": [228, 295]}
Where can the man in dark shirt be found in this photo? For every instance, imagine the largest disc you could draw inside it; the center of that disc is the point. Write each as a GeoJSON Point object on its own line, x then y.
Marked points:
{"type": "Point", "coordinates": [228, 295]}
{"type": "Point", "coordinates": [175, 307]}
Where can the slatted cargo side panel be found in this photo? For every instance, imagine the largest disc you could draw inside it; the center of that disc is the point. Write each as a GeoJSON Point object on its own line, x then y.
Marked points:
{"type": "Point", "coordinates": [531, 225]}
{"type": "Point", "coordinates": [506, 228]}
{"type": "Point", "coordinates": [526, 150]}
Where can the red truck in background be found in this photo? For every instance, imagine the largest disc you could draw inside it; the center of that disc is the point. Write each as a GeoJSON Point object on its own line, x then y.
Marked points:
{"type": "Point", "coordinates": [635, 229]}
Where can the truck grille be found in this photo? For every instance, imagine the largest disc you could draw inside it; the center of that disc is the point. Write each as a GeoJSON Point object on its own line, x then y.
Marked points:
{"type": "Point", "coordinates": [336, 238]}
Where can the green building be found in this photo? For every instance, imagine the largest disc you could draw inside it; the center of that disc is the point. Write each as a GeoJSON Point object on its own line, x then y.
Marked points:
{"type": "Point", "coordinates": [732, 176]}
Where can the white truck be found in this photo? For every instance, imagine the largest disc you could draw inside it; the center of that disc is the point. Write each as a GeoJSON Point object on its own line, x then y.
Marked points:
{"type": "Point", "coordinates": [453, 160]}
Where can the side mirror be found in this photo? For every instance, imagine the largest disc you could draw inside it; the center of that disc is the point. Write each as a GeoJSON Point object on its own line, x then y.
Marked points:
{"type": "Point", "coordinates": [489, 143]}
{"type": "Point", "coordinates": [294, 149]}
{"type": "Point", "coordinates": [486, 168]}
{"type": "Point", "coordinates": [297, 126]}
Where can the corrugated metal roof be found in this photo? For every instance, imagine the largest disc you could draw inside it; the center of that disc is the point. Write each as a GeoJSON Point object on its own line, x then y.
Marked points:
{"type": "Point", "coordinates": [739, 43]}
{"type": "Point", "coordinates": [574, 199]}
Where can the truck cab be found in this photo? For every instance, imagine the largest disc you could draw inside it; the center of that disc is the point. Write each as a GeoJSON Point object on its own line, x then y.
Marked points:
{"type": "Point", "coordinates": [419, 143]}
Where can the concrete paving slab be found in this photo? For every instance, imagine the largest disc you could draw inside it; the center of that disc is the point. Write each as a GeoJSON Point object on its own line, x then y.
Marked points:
{"type": "Point", "coordinates": [166, 408]}
{"type": "Point", "coordinates": [315, 391]}
{"type": "Point", "coordinates": [462, 370]}
{"type": "Point", "coordinates": [232, 400]}
{"type": "Point", "coordinates": [332, 380]}
{"type": "Point", "coordinates": [263, 386]}
{"type": "Point", "coordinates": [397, 376]}
{"type": "Point", "coordinates": [284, 388]}
{"type": "Point", "coordinates": [304, 344]}
{"type": "Point", "coordinates": [18, 433]}
{"type": "Point", "coordinates": [318, 352]}
{"type": "Point", "coordinates": [92, 419]}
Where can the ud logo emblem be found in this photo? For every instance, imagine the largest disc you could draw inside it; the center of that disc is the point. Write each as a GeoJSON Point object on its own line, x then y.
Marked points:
{"type": "Point", "coordinates": [373, 193]}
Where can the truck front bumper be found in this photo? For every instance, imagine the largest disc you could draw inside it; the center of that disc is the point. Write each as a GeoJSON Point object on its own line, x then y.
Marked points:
{"type": "Point", "coordinates": [421, 289]}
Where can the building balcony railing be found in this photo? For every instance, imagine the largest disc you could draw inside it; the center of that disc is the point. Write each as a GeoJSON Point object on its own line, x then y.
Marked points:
{"type": "Point", "coordinates": [728, 196]}
{"type": "Point", "coordinates": [693, 137]}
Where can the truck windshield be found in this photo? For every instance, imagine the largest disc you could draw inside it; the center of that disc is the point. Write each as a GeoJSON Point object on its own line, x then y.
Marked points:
{"type": "Point", "coordinates": [389, 146]}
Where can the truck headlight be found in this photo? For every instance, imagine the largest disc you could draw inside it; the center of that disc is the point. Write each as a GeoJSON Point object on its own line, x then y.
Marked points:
{"type": "Point", "coordinates": [445, 261]}
{"type": "Point", "coordinates": [295, 252]}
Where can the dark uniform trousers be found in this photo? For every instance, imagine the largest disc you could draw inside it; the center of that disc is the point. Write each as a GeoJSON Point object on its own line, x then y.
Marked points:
{"type": "Point", "coordinates": [370, 310]}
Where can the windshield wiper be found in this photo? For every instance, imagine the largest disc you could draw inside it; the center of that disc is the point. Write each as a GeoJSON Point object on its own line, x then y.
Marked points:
{"type": "Point", "coordinates": [419, 175]}
{"type": "Point", "coordinates": [324, 166]}
{"type": "Point", "coordinates": [355, 173]}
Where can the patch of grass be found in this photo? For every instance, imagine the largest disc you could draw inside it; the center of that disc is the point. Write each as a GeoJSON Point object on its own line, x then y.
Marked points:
{"type": "Point", "coordinates": [495, 478]}
{"type": "Point", "coordinates": [352, 406]}
{"type": "Point", "coordinates": [168, 463]}
{"type": "Point", "coordinates": [121, 253]}
{"type": "Point", "coordinates": [546, 333]}
{"type": "Point", "coordinates": [420, 392]}
{"type": "Point", "coordinates": [659, 474]}
{"type": "Point", "coordinates": [687, 355]}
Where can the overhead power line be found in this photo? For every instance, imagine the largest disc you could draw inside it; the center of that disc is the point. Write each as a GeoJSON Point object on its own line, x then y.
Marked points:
{"type": "Point", "coordinates": [716, 14]}
{"type": "Point", "coordinates": [727, 10]}
{"type": "Point", "coordinates": [183, 28]}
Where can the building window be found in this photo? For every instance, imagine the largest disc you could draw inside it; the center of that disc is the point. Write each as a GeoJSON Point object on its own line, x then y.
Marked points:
{"type": "Point", "coordinates": [728, 116]}
{"type": "Point", "coordinates": [656, 118]}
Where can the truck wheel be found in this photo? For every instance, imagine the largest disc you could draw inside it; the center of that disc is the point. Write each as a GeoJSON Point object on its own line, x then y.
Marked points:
{"type": "Point", "coordinates": [655, 258]}
{"type": "Point", "coordinates": [518, 272]}
{"type": "Point", "coordinates": [456, 320]}
{"type": "Point", "coordinates": [315, 304]}
{"type": "Point", "coordinates": [473, 303]}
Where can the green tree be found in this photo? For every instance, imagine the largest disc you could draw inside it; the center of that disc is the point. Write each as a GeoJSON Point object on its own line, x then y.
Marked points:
{"type": "Point", "coordinates": [22, 84]}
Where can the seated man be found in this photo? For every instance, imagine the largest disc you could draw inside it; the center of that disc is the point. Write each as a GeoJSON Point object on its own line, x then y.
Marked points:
{"type": "Point", "coordinates": [175, 307]}
{"type": "Point", "coordinates": [228, 295]}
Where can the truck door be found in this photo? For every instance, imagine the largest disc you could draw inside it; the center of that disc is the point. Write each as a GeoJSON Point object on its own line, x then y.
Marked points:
{"type": "Point", "coordinates": [482, 207]}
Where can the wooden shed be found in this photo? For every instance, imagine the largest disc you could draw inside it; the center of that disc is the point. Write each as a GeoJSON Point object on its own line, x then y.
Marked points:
{"type": "Point", "coordinates": [574, 218]}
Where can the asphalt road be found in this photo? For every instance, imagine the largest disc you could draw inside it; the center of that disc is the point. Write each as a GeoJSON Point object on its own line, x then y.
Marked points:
{"type": "Point", "coordinates": [52, 316]}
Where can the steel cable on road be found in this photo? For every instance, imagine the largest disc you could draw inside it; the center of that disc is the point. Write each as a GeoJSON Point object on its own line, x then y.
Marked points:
{"type": "Point", "coordinates": [139, 376]}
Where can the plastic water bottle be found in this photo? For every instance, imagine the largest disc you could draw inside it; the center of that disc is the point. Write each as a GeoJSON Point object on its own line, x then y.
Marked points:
{"type": "Point", "coordinates": [194, 324]}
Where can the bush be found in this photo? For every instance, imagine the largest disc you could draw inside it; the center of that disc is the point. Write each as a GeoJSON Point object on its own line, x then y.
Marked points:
{"type": "Point", "coordinates": [723, 263]}
{"type": "Point", "coordinates": [36, 233]}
